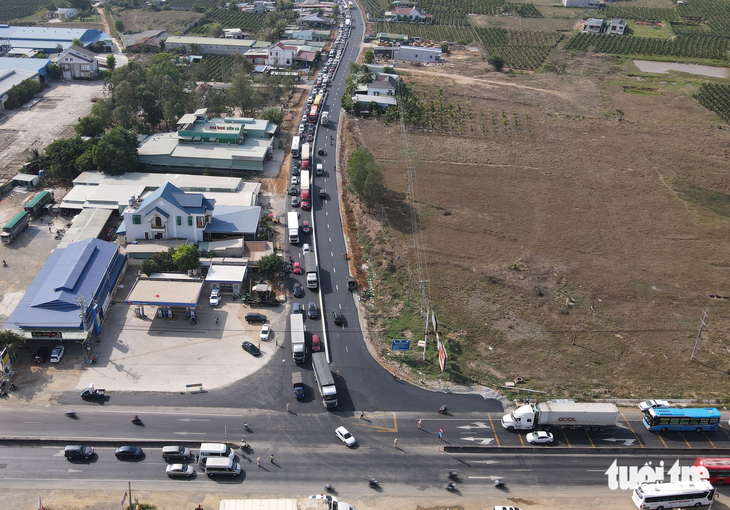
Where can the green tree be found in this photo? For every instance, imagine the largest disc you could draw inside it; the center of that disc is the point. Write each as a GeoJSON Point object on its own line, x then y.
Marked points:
{"type": "Point", "coordinates": [374, 188]}
{"type": "Point", "coordinates": [89, 126]}
{"type": "Point", "coordinates": [232, 6]}
{"type": "Point", "coordinates": [36, 160]}
{"type": "Point", "coordinates": [242, 94]}
{"type": "Point", "coordinates": [102, 110]}
{"type": "Point", "coordinates": [317, 57]}
{"type": "Point", "coordinates": [366, 179]}
{"type": "Point", "coordinates": [119, 25]}
{"type": "Point", "coordinates": [60, 157]}
{"type": "Point", "coordinates": [186, 257]}
{"type": "Point", "coordinates": [269, 265]}
{"type": "Point", "coordinates": [496, 62]}
{"type": "Point", "coordinates": [444, 47]}
{"type": "Point", "coordinates": [369, 56]}
{"type": "Point", "coordinates": [77, 42]}
{"type": "Point", "coordinates": [116, 152]}
{"type": "Point", "coordinates": [85, 162]}
{"type": "Point", "coordinates": [59, 48]}
{"type": "Point", "coordinates": [216, 30]}
{"type": "Point", "coordinates": [54, 72]}
{"type": "Point", "coordinates": [111, 62]}
{"type": "Point", "coordinates": [275, 115]}
{"type": "Point", "coordinates": [150, 266]}
{"type": "Point", "coordinates": [11, 339]}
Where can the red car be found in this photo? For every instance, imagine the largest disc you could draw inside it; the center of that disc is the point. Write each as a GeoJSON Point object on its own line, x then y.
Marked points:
{"type": "Point", "coordinates": [310, 137]}
{"type": "Point", "coordinates": [306, 205]}
{"type": "Point", "coordinates": [316, 346]}
{"type": "Point", "coordinates": [297, 268]}
{"type": "Point", "coordinates": [305, 226]}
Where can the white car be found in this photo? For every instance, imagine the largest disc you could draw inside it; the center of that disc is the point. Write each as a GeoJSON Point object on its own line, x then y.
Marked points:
{"type": "Point", "coordinates": [294, 180]}
{"type": "Point", "coordinates": [345, 436]}
{"type": "Point", "coordinates": [57, 353]}
{"type": "Point", "coordinates": [505, 508]}
{"type": "Point", "coordinates": [184, 470]}
{"type": "Point", "coordinates": [653, 404]}
{"type": "Point", "coordinates": [305, 248]}
{"type": "Point", "coordinates": [265, 332]}
{"type": "Point", "coordinates": [539, 437]}
{"type": "Point", "coordinates": [215, 297]}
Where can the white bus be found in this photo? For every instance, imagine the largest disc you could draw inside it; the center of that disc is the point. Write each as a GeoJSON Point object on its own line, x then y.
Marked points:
{"type": "Point", "coordinates": [658, 496]}
{"type": "Point", "coordinates": [295, 146]}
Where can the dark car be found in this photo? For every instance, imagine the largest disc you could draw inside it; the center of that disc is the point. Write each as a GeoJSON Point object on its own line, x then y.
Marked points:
{"type": "Point", "coordinates": [176, 453]}
{"type": "Point", "coordinates": [255, 317]}
{"type": "Point", "coordinates": [320, 151]}
{"type": "Point", "coordinates": [310, 137]}
{"type": "Point", "coordinates": [337, 316]}
{"type": "Point", "coordinates": [295, 201]}
{"type": "Point", "coordinates": [78, 451]}
{"type": "Point", "coordinates": [41, 355]}
{"type": "Point", "coordinates": [312, 311]}
{"type": "Point", "coordinates": [293, 190]}
{"type": "Point", "coordinates": [295, 169]}
{"type": "Point", "coordinates": [128, 452]}
{"type": "Point", "coordinates": [322, 193]}
{"type": "Point", "coordinates": [250, 348]}
{"type": "Point", "coordinates": [298, 290]}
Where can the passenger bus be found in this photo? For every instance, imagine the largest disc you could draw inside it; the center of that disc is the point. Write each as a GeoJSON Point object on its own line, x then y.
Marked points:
{"type": "Point", "coordinates": [673, 418]}
{"type": "Point", "coordinates": [719, 469]}
{"type": "Point", "coordinates": [655, 496]}
{"type": "Point", "coordinates": [313, 113]}
{"type": "Point", "coordinates": [317, 100]}
{"type": "Point", "coordinates": [295, 146]}
{"type": "Point", "coordinates": [350, 5]}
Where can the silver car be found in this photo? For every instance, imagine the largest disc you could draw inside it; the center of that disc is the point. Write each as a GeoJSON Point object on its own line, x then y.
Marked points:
{"type": "Point", "coordinates": [180, 470]}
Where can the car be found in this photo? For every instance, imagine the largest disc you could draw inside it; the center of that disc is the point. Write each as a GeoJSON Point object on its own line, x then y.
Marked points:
{"type": "Point", "coordinates": [255, 317]}
{"type": "Point", "coordinates": [305, 227]}
{"type": "Point", "coordinates": [316, 345]}
{"type": "Point", "coordinates": [345, 436]}
{"type": "Point", "coordinates": [310, 137]}
{"type": "Point", "coordinates": [57, 353]}
{"type": "Point", "coordinates": [296, 308]}
{"type": "Point", "coordinates": [265, 332]}
{"type": "Point", "coordinates": [338, 318]}
{"type": "Point", "coordinates": [505, 508]}
{"type": "Point", "coordinates": [320, 151]}
{"type": "Point", "coordinates": [293, 190]}
{"type": "Point", "coordinates": [301, 129]}
{"type": "Point", "coordinates": [294, 180]}
{"type": "Point", "coordinates": [295, 168]}
{"type": "Point", "coordinates": [215, 297]}
{"type": "Point", "coordinates": [310, 100]}
{"type": "Point", "coordinates": [322, 193]}
{"type": "Point", "coordinates": [40, 355]}
{"type": "Point", "coordinates": [128, 452]}
{"type": "Point", "coordinates": [180, 470]}
{"type": "Point", "coordinates": [295, 201]}
{"type": "Point", "coordinates": [312, 311]}
{"type": "Point", "coordinates": [653, 404]}
{"type": "Point", "coordinates": [176, 453]}
{"type": "Point", "coordinates": [297, 268]}
{"type": "Point", "coordinates": [298, 290]}
{"type": "Point", "coordinates": [306, 248]}
{"type": "Point", "coordinates": [539, 437]}
{"type": "Point", "coordinates": [306, 205]}
{"type": "Point", "coordinates": [78, 451]}
{"type": "Point", "coordinates": [250, 348]}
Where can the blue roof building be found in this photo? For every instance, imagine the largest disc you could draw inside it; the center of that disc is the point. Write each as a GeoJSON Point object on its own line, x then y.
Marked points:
{"type": "Point", "coordinates": [86, 271]}
{"type": "Point", "coordinates": [14, 70]}
{"type": "Point", "coordinates": [47, 39]}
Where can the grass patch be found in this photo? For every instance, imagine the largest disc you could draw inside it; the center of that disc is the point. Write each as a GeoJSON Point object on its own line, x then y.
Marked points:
{"type": "Point", "coordinates": [654, 31]}
{"type": "Point", "coordinates": [718, 203]}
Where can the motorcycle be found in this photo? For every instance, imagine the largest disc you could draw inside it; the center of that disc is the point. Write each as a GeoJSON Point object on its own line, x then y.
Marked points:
{"type": "Point", "coordinates": [136, 420]}
{"type": "Point", "coordinates": [245, 446]}
{"type": "Point", "coordinates": [442, 410]}
{"type": "Point", "coordinates": [451, 486]}
{"type": "Point", "coordinates": [329, 488]}
{"type": "Point", "coordinates": [453, 473]}
{"type": "Point", "coordinates": [71, 413]}
{"type": "Point", "coordinates": [374, 483]}
{"type": "Point", "coordinates": [499, 482]}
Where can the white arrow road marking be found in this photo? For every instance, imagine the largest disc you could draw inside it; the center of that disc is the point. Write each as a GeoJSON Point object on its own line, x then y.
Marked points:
{"type": "Point", "coordinates": [626, 442]}
{"type": "Point", "coordinates": [475, 425]}
{"type": "Point", "coordinates": [481, 440]}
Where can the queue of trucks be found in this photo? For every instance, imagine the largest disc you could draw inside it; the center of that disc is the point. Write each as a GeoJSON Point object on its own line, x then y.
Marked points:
{"type": "Point", "coordinates": [15, 227]}
{"type": "Point", "coordinates": [298, 342]}
{"type": "Point", "coordinates": [542, 416]}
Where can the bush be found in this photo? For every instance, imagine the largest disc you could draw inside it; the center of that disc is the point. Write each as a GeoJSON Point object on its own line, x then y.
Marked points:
{"type": "Point", "coordinates": [496, 62]}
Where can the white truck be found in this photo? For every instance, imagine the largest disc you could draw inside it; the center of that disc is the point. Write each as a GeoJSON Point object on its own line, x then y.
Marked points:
{"type": "Point", "coordinates": [310, 267]}
{"type": "Point", "coordinates": [325, 118]}
{"type": "Point", "coordinates": [562, 414]}
{"type": "Point", "coordinates": [319, 502]}
{"type": "Point", "coordinates": [292, 224]}
{"type": "Point", "coordinates": [298, 345]}
{"type": "Point", "coordinates": [325, 381]}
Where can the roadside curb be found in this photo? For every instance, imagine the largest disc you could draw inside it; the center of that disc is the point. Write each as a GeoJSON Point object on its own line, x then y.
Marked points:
{"type": "Point", "coordinates": [581, 450]}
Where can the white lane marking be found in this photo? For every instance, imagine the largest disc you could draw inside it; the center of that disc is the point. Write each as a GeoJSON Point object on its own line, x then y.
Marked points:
{"type": "Point", "coordinates": [340, 305]}
{"type": "Point", "coordinates": [332, 254]}
{"type": "Point", "coordinates": [334, 270]}
{"type": "Point", "coordinates": [337, 287]}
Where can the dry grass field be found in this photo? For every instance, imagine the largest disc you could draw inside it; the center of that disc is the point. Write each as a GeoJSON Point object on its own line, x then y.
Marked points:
{"type": "Point", "coordinates": [575, 241]}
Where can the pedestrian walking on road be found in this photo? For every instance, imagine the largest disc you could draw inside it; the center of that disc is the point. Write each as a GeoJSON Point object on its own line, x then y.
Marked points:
{"type": "Point", "coordinates": [272, 458]}
{"type": "Point", "coordinates": [258, 461]}
{"type": "Point", "coordinates": [395, 443]}
{"type": "Point", "coordinates": [287, 407]}
{"type": "Point", "coordinates": [419, 424]}
{"type": "Point", "coordinates": [362, 415]}
{"type": "Point", "coordinates": [197, 459]}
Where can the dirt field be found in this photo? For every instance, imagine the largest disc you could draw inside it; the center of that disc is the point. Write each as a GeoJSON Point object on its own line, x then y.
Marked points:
{"type": "Point", "coordinates": [137, 20]}
{"type": "Point", "coordinates": [575, 240]}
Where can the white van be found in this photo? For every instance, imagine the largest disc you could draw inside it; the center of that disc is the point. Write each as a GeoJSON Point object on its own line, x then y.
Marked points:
{"type": "Point", "coordinates": [222, 467]}
{"type": "Point", "coordinates": [216, 451]}
{"type": "Point", "coordinates": [320, 169]}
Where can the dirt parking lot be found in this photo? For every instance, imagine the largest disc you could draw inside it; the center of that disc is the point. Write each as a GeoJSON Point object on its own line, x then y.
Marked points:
{"type": "Point", "coordinates": [53, 117]}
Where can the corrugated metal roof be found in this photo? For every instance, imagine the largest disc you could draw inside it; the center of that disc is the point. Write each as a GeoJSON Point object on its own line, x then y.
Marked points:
{"type": "Point", "coordinates": [234, 220]}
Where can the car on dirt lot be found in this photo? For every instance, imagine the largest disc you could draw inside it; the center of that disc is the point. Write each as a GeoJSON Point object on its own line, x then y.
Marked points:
{"type": "Point", "coordinates": [57, 353]}
{"type": "Point", "coordinates": [40, 355]}
{"type": "Point", "coordinates": [265, 332]}
{"type": "Point", "coordinates": [250, 348]}
{"type": "Point", "coordinates": [255, 317]}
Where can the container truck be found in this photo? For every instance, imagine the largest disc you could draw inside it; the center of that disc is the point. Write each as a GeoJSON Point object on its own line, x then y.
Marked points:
{"type": "Point", "coordinates": [292, 224]}
{"type": "Point", "coordinates": [325, 119]}
{"type": "Point", "coordinates": [298, 348]}
{"type": "Point", "coordinates": [15, 227]}
{"type": "Point", "coordinates": [561, 414]}
{"type": "Point", "coordinates": [321, 502]}
{"type": "Point", "coordinates": [325, 381]}
{"type": "Point", "coordinates": [311, 269]}
{"type": "Point", "coordinates": [305, 184]}
{"type": "Point", "coordinates": [305, 156]}
{"type": "Point", "coordinates": [298, 385]}
{"type": "Point", "coordinates": [35, 206]}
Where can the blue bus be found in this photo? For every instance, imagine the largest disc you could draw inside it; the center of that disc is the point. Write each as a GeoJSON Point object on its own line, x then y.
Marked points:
{"type": "Point", "coordinates": [673, 418]}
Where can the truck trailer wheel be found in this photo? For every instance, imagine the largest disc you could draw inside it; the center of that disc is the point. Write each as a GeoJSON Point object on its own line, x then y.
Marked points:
{"type": "Point", "coordinates": [510, 428]}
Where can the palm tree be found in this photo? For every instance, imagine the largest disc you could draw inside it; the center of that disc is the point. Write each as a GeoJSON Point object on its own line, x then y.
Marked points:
{"type": "Point", "coordinates": [35, 159]}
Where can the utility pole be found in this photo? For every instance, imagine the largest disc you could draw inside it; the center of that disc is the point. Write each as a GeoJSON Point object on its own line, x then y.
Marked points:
{"type": "Point", "coordinates": [130, 494]}
{"type": "Point", "coordinates": [699, 334]}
